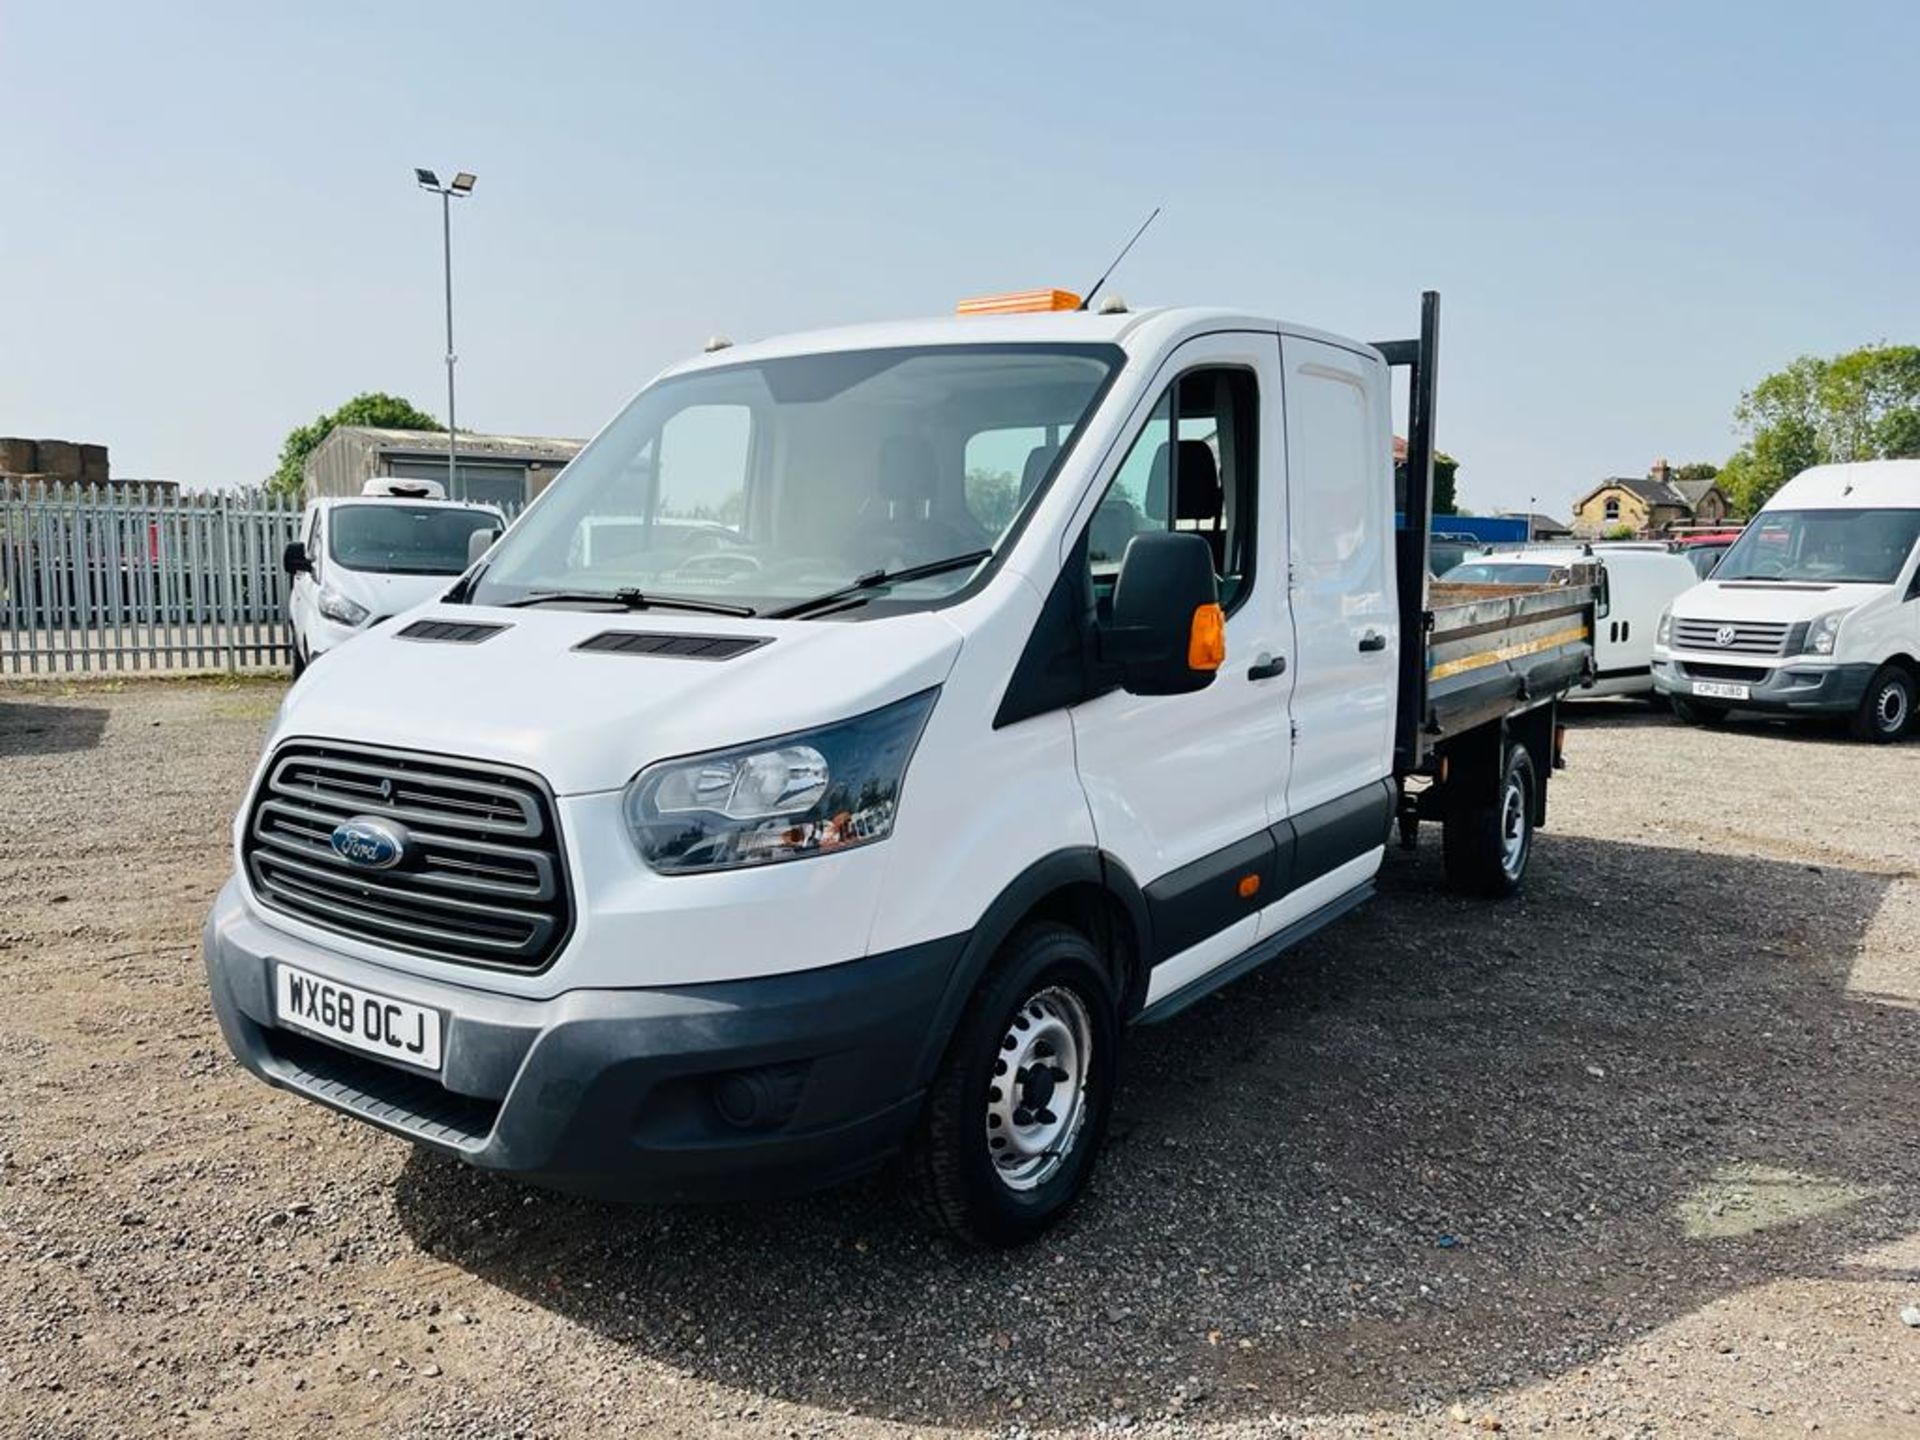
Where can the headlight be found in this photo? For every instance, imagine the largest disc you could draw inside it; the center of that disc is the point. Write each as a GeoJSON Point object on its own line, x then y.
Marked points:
{"type": "Point", "coordinates": [338, 607]}
{"type": "Point", "coordinates": [1822, 633]}
{"type": "Point", "coordinates": [1663, 632]}
{"type": "Point", "coordinates": [812, 793]}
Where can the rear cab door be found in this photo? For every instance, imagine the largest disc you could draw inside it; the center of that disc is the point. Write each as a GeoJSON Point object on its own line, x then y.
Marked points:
{"type": "Point", "coordinates": [1345, 620]}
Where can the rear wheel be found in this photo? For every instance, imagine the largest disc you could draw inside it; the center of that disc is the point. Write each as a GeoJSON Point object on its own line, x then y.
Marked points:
{"type": "Point", "coordinates": [1694, 712]}
{"type": "Point", "coordinates": [1486, 844]}
{"type": "Point", "coordinates": [1886, 710]}
{"type": "Point", "coordinates": [1018, 1111]}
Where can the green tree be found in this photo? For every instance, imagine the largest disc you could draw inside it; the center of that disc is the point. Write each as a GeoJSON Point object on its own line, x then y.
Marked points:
{"type": "Point", "coordinates": [1863, 405]}
{"type": "Point", "coordinates": [1698, 470]}
{"type": "Point", "coordinates": [1446, 472]}
{"type": "Point", "coordinates": [992, 497]}
{"type": "Point", "coordinates": [388, 412]}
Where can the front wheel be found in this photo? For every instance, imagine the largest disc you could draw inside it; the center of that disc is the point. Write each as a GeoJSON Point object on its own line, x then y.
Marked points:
{"type": "Point", "coordinates": [1017, 1114]}
{"type": "Point", "coordinates": [1886, 710]}
{"type": "Point", "coordinates": [1486, 844]}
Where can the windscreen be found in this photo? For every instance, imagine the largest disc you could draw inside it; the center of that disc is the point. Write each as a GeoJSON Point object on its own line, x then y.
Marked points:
{"type": "Point", "coordinates": [1483, 574]}
{"type": "Point", "coordinates": [1834, 547]}
{"type": "Point", "coordinates": [405, 539]}
{"type": "Point", "coordinates": [767, 483]}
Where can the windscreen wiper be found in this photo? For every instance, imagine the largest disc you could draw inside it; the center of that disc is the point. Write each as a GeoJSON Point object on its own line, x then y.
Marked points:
{"type": "Point", "coordinates": [628, 599]}
{"type": "Point", "coordinates": [856, 593]}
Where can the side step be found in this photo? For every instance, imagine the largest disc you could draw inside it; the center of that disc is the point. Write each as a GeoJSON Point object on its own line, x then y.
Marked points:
{"type": "Point", "coordinates": [1254, 956]}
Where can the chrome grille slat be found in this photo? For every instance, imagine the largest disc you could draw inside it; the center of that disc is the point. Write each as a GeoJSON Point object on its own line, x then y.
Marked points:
{"type": "Point", "coordinates": [1750, 637]}
{"type": "Point", "coordinates": [482, 883]}
{"type": "Point", "coordinates": [429, 799]}
{"type": "Point", "coordinates": [388, 918]}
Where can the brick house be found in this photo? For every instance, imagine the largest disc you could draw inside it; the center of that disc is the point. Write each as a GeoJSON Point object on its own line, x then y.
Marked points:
{"type": "Point", "coordinates": [1652, 506]}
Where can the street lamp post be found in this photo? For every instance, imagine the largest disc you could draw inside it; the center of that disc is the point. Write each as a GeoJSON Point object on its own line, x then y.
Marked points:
{"type": "Point", "coordinates": [458, 188]}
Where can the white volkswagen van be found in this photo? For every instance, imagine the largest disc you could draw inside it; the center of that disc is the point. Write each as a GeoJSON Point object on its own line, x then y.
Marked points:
{"type": "Point", "coordinates": [363, 558]}
{"type": "Point", "coordinates": [1638, 584]}
{"type": "Point", "coordinates": [1814, 611]}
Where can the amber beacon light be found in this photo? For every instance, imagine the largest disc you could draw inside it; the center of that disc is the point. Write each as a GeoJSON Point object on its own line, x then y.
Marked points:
{"type": "Point", "coordinates": [1019, 302]}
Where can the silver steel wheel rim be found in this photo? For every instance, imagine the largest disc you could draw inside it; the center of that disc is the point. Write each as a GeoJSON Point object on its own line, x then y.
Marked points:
{"type": "Point", "coordinates": [1513, 828]}
{"type": "Point", "coordinates": [1037, 1096]}
{"type": "Point", "coordinates": [1892, 709]}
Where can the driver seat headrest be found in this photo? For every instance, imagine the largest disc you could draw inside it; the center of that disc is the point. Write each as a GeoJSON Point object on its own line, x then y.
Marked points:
{"type": "Point", "coordinates": [908, 469]}
{"type": "Point", "coordinates": [1196, 492]}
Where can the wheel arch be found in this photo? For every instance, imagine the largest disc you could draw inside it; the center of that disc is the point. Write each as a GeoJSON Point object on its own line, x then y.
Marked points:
{"type": "Point", "coordinates": [1082, 887]}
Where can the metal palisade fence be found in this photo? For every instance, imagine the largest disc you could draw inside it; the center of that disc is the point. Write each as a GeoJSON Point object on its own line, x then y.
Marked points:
{"type": "Point", "coordinates": [116, 578]}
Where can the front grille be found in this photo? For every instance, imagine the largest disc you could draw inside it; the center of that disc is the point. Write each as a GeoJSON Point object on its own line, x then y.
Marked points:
{"type": "Point", "coordinates": [1744, 637]}
{"type": "Point", "coordinates": [481, 880]}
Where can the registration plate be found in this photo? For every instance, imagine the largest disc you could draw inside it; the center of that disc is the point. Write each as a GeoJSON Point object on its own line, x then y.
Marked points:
{"type": "Point", "coordinates": [391, 1029]}
{"type": "Point", "coordinates": [1715, 690]}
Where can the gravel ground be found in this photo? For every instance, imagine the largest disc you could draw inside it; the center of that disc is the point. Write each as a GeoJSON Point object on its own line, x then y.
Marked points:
{"type": "Point", "coordinates": [1634, 1154]}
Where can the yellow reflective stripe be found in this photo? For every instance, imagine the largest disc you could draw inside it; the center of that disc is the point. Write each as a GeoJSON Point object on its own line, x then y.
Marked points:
{"type": "Point", "coordinates": [1506, 652]}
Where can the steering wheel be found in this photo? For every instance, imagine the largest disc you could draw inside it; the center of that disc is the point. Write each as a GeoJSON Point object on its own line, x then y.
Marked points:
{"type": "Point", "coordinates": [719, 562]}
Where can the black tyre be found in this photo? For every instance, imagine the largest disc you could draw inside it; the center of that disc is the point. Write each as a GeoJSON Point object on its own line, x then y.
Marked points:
{"type": "Point", "coordinates": [1694, 712]}
{"type": "Point", "coordinates": [299, 661]}
{"type": "Point", "coordinates": [1886, 710]}
{"type": "Point", "coordinates": [1017, 1114]}
{"type": "Point", "coordinates": [1486, 845]}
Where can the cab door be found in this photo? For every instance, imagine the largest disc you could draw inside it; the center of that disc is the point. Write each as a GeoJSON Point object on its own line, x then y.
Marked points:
{"type": "Point", "coordinates": [1182, 788]}
{"type": "Point", "coordinates": [1345, 620]}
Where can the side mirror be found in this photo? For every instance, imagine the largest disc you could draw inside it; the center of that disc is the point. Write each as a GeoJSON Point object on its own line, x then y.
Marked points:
{"type": "Point", "coordinates": [479, 542]}
{"type": "Point", "coordinates": [1166, 635]}
{"type": "Point", "coordinates": [294, 559]}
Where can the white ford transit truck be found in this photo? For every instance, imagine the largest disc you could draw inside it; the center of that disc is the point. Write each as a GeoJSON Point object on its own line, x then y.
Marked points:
{"type": "Point", "coordinates": [1049, 671]}
{"type": "Point", "coordinates": [1814, 611]}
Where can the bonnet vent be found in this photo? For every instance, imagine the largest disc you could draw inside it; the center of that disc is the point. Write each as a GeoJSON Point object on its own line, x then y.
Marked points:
{"type": "Point", "coordinates": [673, 647]}
{"type": "Point", "coordinates": [450, 632]}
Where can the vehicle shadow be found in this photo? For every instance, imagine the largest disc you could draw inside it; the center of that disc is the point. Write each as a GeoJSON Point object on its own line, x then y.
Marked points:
{"type": "Point", "coordinates": [1634, 714]}
{"type": "Point", "coordinates": [1615, 713]}
{"type": "Point", "coordinates": [1444, 1149]}
{"type": "Point", "coordinates": [49, 729]}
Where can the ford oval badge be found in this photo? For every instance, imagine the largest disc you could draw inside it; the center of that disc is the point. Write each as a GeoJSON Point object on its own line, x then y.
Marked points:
{"type": "Point", "coordinates": [370, 843]}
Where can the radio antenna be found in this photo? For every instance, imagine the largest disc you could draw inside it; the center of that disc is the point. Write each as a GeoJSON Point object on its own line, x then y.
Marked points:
{"type": "Point", "coordinates": [1118, 258]}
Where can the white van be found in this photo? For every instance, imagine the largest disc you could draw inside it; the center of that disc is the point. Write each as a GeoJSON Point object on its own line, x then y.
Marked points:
{"type": "Point", "coordinates": [1814, 611]}
{"type": "Point", "coordinates": [361, 559]}
{"type": "Point", "coordinates": [1637, 584]}
{"type": "Point", "coordinates": [1055, 669]}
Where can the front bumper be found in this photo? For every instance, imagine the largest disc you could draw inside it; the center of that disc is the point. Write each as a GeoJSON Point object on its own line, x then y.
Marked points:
{"type": "Point", "coordinates": [689, 1092]}
{"type": "Point", "coordinates": [1788, 688]}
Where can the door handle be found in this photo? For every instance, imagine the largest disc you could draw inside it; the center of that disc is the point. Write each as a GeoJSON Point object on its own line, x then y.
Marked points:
{"type": "Point", "coordinates": [1373, 640]}
{"type": "Point", "coordinates": [1267, 668]}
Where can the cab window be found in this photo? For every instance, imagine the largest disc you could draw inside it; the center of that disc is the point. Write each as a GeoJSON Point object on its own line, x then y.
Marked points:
{"type": "Point", "coordinates": [1192, 468]}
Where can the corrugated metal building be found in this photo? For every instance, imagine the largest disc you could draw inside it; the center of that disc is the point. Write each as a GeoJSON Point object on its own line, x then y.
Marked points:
{"type": "Point", "coordinates": [497, 469]}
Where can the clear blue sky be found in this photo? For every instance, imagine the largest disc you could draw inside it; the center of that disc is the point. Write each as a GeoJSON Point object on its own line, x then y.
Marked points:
{"type": "Point", "coordinates": [209, 231]}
